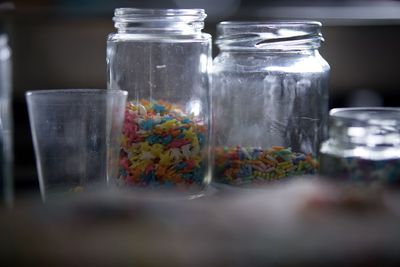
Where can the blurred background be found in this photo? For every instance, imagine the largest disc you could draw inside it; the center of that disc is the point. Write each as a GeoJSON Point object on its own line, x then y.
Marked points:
{"type": "Point", "coordinates": [62, 44]}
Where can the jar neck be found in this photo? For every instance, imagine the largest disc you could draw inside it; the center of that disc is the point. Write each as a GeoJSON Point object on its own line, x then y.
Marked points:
{"type": "Point", "coordinates": [370, 127]}
{"type": "Point", "coordinates": [288, 36]}
{"type": "Point", "coordinates": [135, 20]}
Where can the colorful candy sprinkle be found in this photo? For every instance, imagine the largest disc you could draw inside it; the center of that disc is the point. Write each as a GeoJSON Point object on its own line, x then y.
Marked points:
{"type": "Point", "coordinates": [243, 165]}
{"type": "Point", "coordinates": [161, 146]}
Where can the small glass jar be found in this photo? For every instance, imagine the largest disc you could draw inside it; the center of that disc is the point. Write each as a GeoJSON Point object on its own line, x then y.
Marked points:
{"type": "Point", "coordinates": [270, 101]}
{"type": "Point", "coordinates": [363, 145]}
{"type": "Point", "coordinates": [6, 141]}
{"type": "Point", "coordinates": [162, 58]}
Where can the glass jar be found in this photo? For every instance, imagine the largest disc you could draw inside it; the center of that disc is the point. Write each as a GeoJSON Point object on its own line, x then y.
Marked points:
{"type": "Point", "coordinates": [270, 101]}
{"type": "Point", "coordinates": [162, 57]}
{"type": "Point", "coordinates": [363, 145]}
{"type": "Point", "coordinates": [6, 141]}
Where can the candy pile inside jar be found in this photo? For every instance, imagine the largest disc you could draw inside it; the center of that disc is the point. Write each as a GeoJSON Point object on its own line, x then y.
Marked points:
{"type": "Point", "coordinates": [161, 146]}
{"type": "Point", "coordinates": [357, 169]}
{"type": "Point", "coordinates": [242, 165]}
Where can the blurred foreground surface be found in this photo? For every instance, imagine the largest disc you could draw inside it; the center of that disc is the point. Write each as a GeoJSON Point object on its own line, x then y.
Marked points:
{"type": "Point", "coordinates": [296, 223]}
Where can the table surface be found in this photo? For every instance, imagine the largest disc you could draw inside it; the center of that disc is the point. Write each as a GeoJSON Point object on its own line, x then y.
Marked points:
{"type": "Point", "coordinates": [301, 222]}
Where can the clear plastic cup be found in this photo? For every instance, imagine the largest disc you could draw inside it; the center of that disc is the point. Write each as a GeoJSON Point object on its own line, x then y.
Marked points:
{"type": "Point", "coordinates": [76, 136]}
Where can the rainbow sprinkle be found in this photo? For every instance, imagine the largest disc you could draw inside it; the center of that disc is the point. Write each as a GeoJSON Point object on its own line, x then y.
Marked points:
{"type": "Point", "coordinates": [161, 146]}
{"type": "Point", "coordinates": [241, 165]}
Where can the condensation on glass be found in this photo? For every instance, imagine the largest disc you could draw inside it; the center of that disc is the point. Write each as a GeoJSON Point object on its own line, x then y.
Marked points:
{"type": "Point", "coordinates": [6, 154]}
{"type": "Point", "coordinates": [270, 101]}
{"type": "Point", "coordinates": [363, 145]}
{"type": "Point", "coordinates": [162, 58]}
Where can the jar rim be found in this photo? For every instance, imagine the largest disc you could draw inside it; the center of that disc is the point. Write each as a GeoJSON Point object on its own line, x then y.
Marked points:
{"type": "Point", "coordinates": [152, 13]}
{"type": "Point", "coordinates": [363, 114]}
{"type": "Point", "coordinates": [146, 20]}
{"type": "Point", "coordinates": [302, 23]}
{"type": "Point", "coordinates": [76, 91]}
{"type": "Point", "coordinates": [274, 35]}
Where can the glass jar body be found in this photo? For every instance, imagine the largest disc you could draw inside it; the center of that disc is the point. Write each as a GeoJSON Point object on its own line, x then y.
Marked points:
{"type": "Point", "coordinates": [6, 141]}
{"type": "Point", "coordinates": [363, 147]}
{"type": "Point", "coordinates": [166, 132]}
{"type": "Point", "coordinates": [269, 114]}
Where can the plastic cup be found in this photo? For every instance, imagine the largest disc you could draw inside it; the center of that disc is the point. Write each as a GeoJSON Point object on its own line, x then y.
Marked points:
{"type": "Point", "coordinates": [76, 136]}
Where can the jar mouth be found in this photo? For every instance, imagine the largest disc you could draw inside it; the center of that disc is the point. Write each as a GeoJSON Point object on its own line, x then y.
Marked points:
{"type": "Point", "coordinates": [372, 126]}
{"type": "Point", "coordinates": [122, 15]}
{"type": "Point", "coordinates": [367, 116]}
{"type": "Point", "coordinates": [147, 13]}
{"type": "Point", "coordinates": [138, 19]}
{"type": "Point", "coordinates": [78, 92]}
{"type": "Point", "coordinates": [286, 23]}
{"type": "Point", "coordinates": [269, 35]}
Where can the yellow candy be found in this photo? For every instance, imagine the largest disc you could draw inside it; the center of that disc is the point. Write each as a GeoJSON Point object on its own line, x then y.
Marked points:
{"type": "Point", "coordinates": [168, 124]}
{"type": "Point", "coordinates": [165, 158]}
{"type": "Point", "coordinates": [157, 149]}
{"type": "Point", "coordinates": [133, 157]}
{"type": "Point", "coordinates": [144, 146]}
{"type": "Point", "coordinates": [141, 164]}
{"type": "Point", "coordinates": [284, 165]}
{"type": "Point", "coordinates": [189, 134]}
{"type": "Point", "coordinates": [124, 141]}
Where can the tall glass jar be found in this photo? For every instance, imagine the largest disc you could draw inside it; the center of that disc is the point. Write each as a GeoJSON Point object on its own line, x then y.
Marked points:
{"type": "Point", "coordinates": [162, 58]}
{"type": "Point", "coordinates": [6, 141]}
{"type": "Point", "coordinates": [363, 145]}
{"type": "Point", "coordinates": [270, 101]}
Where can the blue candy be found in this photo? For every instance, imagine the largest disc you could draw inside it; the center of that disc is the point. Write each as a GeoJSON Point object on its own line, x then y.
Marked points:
{"type": "Point", "coordinates": [167, 139]}
{"type": "Point", "coordinates": [158, 108]}
{"type": "Point", "coordinates": [186, 120]}
{"type": "Point", "coordinates": [180, 165]}
{"type": "Point", "coordinates": [166, 118]}
{"type": "Point", "coordinates": [122, 171]}
{"type": "Point", "coordinates": [147, 125]}
{"type": "Point", "coordinates": [152, 139]}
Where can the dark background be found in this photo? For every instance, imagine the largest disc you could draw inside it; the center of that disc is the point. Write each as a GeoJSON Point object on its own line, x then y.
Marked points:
{"type": "Point", "coordinates": [62, 44]}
